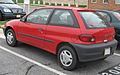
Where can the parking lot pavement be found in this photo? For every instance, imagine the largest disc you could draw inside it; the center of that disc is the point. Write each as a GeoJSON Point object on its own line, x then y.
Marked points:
{"type": "Point", "coordinates": [18, 66]}
{"type": "Point", "coordinates": [12, 65]}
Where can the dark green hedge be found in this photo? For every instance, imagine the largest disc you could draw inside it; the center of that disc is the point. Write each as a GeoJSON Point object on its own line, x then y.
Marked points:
{"type": "Point", "coordinates": [65, 5]}
{"type": "Point", "coordinates": [59, 4]}
{"type": "Point", "coordinates": [82, 6]}
{"type": "Point", "coordinates": [46, 3]}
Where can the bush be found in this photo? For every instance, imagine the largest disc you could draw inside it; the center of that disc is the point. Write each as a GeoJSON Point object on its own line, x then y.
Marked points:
{"type": "Point", "coordinates": [46, 3]}
{"type": "Point", "coordinates": [52, 4]}
{"type": "Point", "coordinates": [20, 1]}
{"type": "Point", "coordinates": [41, 2]}
{"type": "Point", "coordinates": [36, 1]}
{"type": "Point", "coordinates": [65, 4]}
{"type": "Point", "coordinates": [82, 6]}
{"type": "Point", "coordinates": [72, 5]}
{"type": "Point", "coordinates": [59, 4]}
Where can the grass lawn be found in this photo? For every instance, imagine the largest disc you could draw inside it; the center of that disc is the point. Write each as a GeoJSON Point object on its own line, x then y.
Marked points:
{"type": "Point", "coordinates": [2, 22]}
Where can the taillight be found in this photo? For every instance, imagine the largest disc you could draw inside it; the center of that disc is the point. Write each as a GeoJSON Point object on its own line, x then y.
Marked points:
{"type": "Point", "coordinates": [87, 38]}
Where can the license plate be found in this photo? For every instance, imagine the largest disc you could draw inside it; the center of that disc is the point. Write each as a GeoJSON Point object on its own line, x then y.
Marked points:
{"type": "Point", "coordinates": [18, 16]}
{"type": "Point", "coordinates": [107, 51]}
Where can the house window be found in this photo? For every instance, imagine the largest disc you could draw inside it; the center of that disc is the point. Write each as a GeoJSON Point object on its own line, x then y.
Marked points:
{"type": "Point", "coordinates": [93, 1]}
{"type": "Point", "coordinates": [117, 1]}
{"type": "Point", "coordinates": [105, 1]}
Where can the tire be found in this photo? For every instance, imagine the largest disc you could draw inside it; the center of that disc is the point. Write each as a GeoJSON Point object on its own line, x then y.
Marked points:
{"type": "Point", "coordinates": [11, 38]}
{"type": "Point", "coordinates": [65, 53]}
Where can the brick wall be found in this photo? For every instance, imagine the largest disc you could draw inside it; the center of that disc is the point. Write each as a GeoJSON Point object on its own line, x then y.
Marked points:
{"type": "Point", "coordinates": [100, 5]}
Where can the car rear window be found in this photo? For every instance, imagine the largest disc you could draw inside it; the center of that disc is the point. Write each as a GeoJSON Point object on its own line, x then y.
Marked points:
{"type": "Point", "coordinates": [117, 15]}
{"type": "Point", "coordinates": [94, 20]}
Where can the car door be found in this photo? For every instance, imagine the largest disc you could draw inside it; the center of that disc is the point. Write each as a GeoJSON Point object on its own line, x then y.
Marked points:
{"type": "Point", "coordinates": [61, 28]}
{"type": "Point", "coordinates": [31, 31]}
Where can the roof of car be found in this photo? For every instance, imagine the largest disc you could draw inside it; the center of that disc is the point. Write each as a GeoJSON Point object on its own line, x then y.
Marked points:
{"type": "Point", "coordinates": [105, 11]}
{"type": "Point", "coordinates": [68, 7]}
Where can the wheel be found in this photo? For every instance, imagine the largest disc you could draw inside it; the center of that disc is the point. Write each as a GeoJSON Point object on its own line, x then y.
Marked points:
{"type": "Point", "coordinates": [11, 38]}
{"type": "Point", "coordinates": [67, 58]}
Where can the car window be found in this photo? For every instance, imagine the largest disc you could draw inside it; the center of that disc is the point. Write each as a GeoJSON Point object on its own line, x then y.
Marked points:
{"type": "Point", "coordinates": [39, 16]}
{"type": "Point", "coordinates": [105, 16]}
{"type": "Point", "coordinates": [62, 18]}
{"type": "Point", "coordinates": [93, 20]}
{"type": "Point", "coordinates": [117, 15]}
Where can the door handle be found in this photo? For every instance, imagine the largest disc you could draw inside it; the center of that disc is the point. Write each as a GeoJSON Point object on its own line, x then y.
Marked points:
{"type": "Point", "coordinates": [40, 29]}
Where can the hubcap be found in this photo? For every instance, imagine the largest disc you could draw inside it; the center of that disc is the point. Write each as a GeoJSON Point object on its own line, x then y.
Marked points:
{"type": "Point", "coordinates": [10, 37]}
{"type": "Point", "coordinates": [66, 58]}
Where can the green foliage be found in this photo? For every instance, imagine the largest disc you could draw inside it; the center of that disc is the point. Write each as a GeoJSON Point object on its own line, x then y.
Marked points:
{"type": "Point", "coordinates": [2, 22]}
{"type": "Point", "coordinates": [20, 1]}
{"type": "Point", "coordinates": [41, 2]}
{"type": "Point", "coordinates": [59, 4]}
{"type": "Point", "coordinates": [65, 4]}
{"type": "Point", "coordinates": [82, 6]}
{"type": "Point", "coordinates": [46, 3]}
{"type": "Point", "coordinates": [52, 4]}
{"type": "Point", "coordinates": [72, 5]}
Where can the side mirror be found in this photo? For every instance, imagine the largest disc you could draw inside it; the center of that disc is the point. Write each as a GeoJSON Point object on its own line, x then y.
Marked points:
{"type": "Point", "coordinates": [23, 19]}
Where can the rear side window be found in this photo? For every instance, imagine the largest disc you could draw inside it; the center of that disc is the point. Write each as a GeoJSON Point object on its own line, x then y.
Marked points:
{"type": "Point", "coordinates": [94, 20]}
{"type": "Point", "coordinates": [62, 18]}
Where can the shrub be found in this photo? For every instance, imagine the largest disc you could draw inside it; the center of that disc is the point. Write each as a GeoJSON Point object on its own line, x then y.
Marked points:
{"type": "Point", "coordinates": [59, 4]}
{"type": "Point", "coordinates": [20, 1]}
{"type": "Point", "coordinates": [65, 4]}
{"type": "Point", "coordinates": [82, 6]}
{"type": "Point", "coordinates": [46, 3]}
{"type": "Point", "coordinates": [52, 4]}
{"type": "Point", "coordinates": [41, 2]}
{"type": "Point", "coordinates": [72, 5]}
{"type": "Point", "coordinates": [36, 2]}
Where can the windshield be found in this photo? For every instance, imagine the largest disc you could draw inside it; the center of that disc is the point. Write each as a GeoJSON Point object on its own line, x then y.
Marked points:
{"type": "Point", "coordinates": [94, 20]}
{"type": "Point", "coordinates": [117, 15]}
{"type": "Point", "coordinates": [6, 1]}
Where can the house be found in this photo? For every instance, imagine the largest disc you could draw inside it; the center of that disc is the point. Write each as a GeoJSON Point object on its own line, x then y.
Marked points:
{"type": "Point", "coordinates": [104, 4]}
{"type": "Point", "coordinates": [77, 2]}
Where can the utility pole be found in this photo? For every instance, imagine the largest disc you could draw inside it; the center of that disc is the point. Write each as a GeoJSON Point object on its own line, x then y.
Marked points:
{"type": "Point", "coordinates": [26, 5]}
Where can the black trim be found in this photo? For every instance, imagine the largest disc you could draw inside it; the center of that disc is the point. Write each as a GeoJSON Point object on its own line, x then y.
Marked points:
{"type": "Point", "coordinates": [35, 37]}
{"type": "Point", "coordinates": [76, 25]}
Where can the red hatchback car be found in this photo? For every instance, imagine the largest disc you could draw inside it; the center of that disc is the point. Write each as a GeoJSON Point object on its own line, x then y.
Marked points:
{"type": "Point", "coordinates": [73, 34]}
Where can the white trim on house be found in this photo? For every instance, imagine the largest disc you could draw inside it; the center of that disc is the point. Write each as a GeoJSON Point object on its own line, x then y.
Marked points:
{"type": "Point", "coordinates": [116, 2]}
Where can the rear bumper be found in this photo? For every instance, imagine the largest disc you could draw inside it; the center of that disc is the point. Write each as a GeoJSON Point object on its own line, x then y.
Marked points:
{"type": "Point", "coordinates": [94, 52]}
{"type": "Point", "coordinates": [13, 16]}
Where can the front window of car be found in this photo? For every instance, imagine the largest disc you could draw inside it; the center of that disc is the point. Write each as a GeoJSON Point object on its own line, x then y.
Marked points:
{"type": "Point", "coordinates": [94, 20]}
{"type": "Point", "coordinates": [117, 15]}
{"type": "Point", "coordinates": [6, 1]}
{"type": "Point", "coordinates": [39, 16]}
